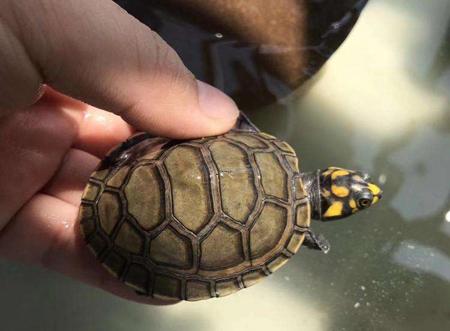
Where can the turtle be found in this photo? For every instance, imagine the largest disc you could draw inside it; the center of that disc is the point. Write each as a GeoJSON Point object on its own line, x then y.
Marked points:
{"type": "Point", "coordinates": [203, 218]}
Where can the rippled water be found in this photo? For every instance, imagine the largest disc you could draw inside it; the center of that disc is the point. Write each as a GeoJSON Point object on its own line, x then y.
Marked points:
{"type": "Point", "coordinates": [381, 104]}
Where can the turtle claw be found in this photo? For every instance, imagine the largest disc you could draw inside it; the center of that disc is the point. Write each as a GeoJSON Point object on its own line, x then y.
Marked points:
{"type": "Point", "coordinates": [319, 242]}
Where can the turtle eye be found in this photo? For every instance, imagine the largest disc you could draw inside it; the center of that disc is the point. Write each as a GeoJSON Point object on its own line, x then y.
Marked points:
{"type": "Point", "coordinates": [364, 203]}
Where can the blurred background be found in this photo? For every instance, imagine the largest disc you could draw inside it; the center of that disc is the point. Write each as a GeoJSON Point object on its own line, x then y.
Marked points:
{"type": "Point", "coordinates": [380, 104]}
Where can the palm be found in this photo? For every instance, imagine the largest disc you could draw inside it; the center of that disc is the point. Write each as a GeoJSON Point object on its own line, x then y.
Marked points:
{"type": "Point", "coordinates": [49, 151]}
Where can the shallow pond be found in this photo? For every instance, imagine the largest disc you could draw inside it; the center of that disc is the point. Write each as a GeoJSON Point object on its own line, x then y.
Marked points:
{"type": "Point", "coordinates": [381, 104]}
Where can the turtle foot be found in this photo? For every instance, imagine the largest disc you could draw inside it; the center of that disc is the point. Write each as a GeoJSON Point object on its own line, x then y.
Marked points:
{"type": "Point", "coordinates": [314, 241]}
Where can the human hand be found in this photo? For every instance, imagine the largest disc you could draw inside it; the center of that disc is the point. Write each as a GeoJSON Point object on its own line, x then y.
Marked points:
{"type": "Point", "coordinates": [50, 143]}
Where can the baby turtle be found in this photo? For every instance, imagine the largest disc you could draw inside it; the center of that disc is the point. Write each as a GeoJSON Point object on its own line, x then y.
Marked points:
{"type": "Point", "coordinates": [203, 218]}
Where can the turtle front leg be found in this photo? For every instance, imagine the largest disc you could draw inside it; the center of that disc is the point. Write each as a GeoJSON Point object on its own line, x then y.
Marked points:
{"type": "Point", "coordinates": [314, 241]}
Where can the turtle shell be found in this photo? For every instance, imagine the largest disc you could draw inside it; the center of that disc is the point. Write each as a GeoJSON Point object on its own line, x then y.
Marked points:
{"type": "Point", "coordinates": [195, 219]}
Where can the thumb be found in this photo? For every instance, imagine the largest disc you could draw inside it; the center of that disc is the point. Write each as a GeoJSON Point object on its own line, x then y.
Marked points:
{"type": "Point", "coordinates": [95, 52]}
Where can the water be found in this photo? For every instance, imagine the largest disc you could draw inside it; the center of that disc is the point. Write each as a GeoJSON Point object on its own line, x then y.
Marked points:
{"type": "Point", "coordinates": [255, 53]}
{"type": "Point", "coordinates": [382, 105]}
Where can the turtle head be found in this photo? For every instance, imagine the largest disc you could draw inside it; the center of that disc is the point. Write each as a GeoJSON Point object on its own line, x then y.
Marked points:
{"type": "Point", "coordinates": [342, 193]}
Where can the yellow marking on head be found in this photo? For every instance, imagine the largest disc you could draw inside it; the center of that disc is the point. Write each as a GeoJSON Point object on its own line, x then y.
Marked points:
{"type": "Point", "coordinates": [328, 172]}
{"type": "Point", "coordinates": [340, 191]}
{"type": "Point", "coordinates": [334, 210]}
{"type": "Point", "coordinates": [352, 204]}
{"type": "Point", "coordinates": [374, 189]}
{"type": "Point", "coordinates": [325, 193]}
{"type": "Point", "coordinates": [375, 200]}
{"type": "Point", "coordinates": [339, 173]}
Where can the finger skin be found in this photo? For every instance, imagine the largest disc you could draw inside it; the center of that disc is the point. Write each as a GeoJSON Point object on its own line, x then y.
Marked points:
{"type": "Point", "coordinates": [69, 181]}
{"type": "Point", "coordinates": [95, 52]}
{"type": "Point", "coordinates": [33, 144]}
{"type": "Point", "coordinates": [98, 132]}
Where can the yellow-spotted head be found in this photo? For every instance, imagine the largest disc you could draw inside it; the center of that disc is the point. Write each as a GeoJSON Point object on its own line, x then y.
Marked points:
{"type": "Point", "coordinates": [344, 192]}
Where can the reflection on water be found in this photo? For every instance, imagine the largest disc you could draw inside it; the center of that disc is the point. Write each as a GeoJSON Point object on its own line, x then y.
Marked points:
{"type": "Point", "coordinates": [426, 170]}
{"type": "Point", "coordinates": [419, 258]}
{"type": "Point", "coordinates": [381, 104]}
{"type": "Point", "coordinates": [257, 52]}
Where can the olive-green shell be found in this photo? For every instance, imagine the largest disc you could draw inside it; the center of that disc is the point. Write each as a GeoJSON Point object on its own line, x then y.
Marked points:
{"type": "Point", "coordinates": [196, 219]}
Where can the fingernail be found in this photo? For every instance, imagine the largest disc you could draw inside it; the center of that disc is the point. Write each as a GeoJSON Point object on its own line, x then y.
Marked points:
{"type": "Point", "coordinates": [216, 104]}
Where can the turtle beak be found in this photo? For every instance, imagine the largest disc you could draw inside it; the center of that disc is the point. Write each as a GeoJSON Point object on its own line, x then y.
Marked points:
{"type": "Point", "coordinates": [376, 191]}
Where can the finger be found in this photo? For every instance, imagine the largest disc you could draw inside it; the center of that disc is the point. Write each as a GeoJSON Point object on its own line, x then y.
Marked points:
{"type": "Point", "coordinates": [45, 232]}
{"type": "Point", "coordinates": [35, 141]}
{"type": "Point", "coordinates": [96, 52]}
{"type": "Point", "coordinates": [53, 98]}
{"type": "Point", "coordinates": [100, 131]}
{"type": "Point", "coordinates": [71, 178]}
{"type": "Point", "coordinates": [33, 144]}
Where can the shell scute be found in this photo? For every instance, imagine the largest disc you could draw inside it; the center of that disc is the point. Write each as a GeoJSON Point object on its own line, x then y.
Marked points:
{"type": "Point", "coordinates": [172, 249]}
{"type": "Point", "coordinates": [227, 287]}
{"type": "Point", "coordinates": [221, 249]}
{"type": "Point", "coordinates": [166, 287]}
{"type": "Point", "coordinates": [235, 175]}
{"type": "Point", "coordinates": [115, 263]}
{"type": "Point", "coordinates": [144, 193]}
{"type": "Point", "coordinates": [109, 211]}
{"type": "Point", "coordinates": [197, 290]}
{"type": "Point", "coordinates": [249, 140]}
{"type": "Point", "coordinates": [138, 277]}
{"type": "Point", "coordinates": [190, 187]}
{"type": "Point", "coordinates": [267, 230]}
{"type": "Point", "coordinates": [130, 239]}
{"type": "Point", "coordinates": [273, 176]}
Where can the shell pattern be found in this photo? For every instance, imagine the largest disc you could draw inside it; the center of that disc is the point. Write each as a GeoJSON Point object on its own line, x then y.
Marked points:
{"type": "Point", "coordinates": [196, 219]}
